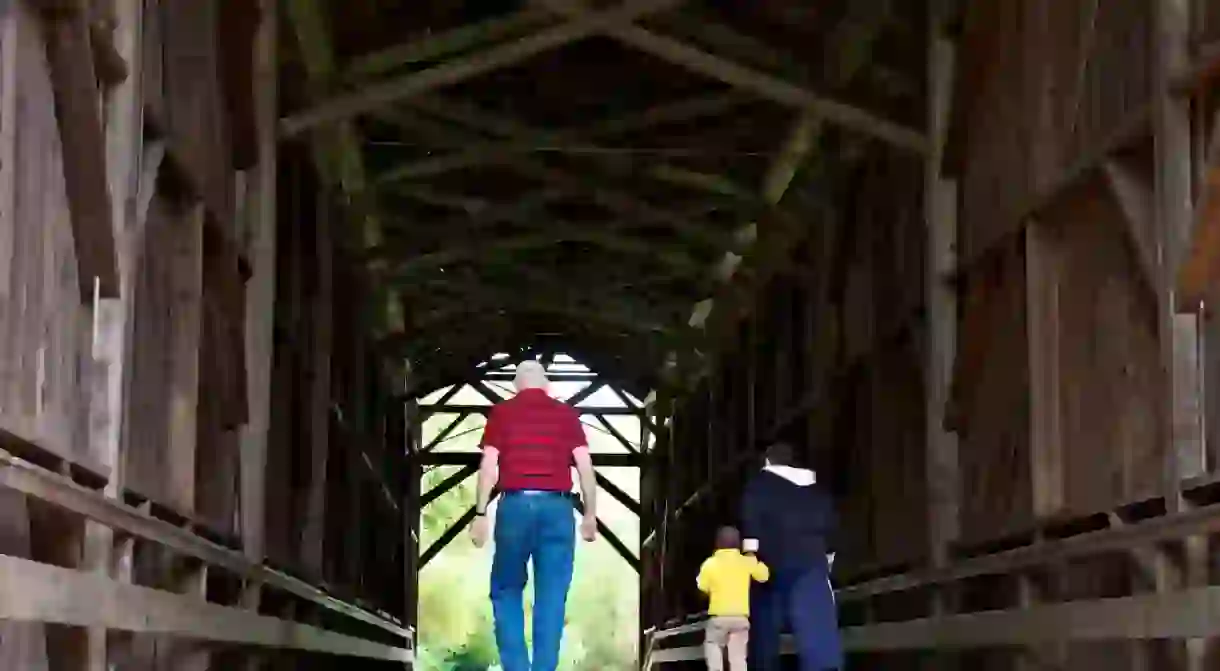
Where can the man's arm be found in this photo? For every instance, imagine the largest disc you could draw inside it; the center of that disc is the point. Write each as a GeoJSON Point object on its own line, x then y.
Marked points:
{"type": "Point", "coordinates": [489, 475]}
{"type": "Point", "coordinates": [588, 480]}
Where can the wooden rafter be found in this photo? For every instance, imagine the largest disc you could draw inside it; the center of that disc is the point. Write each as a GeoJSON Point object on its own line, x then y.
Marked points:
{"type": "Point", "coordinates": [636, 211]}
{"type": "Point", "coordinates": [444, 433]}
{"type": "Point", "coordinates": [515, 138]}
{"type": "Point", "coordinates": [400, 88]}
{"type": "Point", "coordinates": [467, 458]}
{"type": "Point", "coordinates": [634, 317]}
{"type": "Point", "coordinates": [337, 153]}
{"type": "Point", "coordinates": [618, 494]}
{"type": "Point", "coordinates": [436, 47]}
{"type": "Point", "coordinates": [618, 435]}
{"type": "Point", "coordinates": [585, 393]}
{"type": "Point", "coordinates": [758, 82]}
{"type": "Point", "coordinates": [447, 537]}
{"type": "Point", "coordinates": [447, 485]}
{"type": "Point", "coordinates": [608, 238]}
{"type": "Point", "coordinates": [75, 86]}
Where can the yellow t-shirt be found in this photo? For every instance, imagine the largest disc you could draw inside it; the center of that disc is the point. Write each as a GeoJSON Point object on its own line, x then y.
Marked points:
{"type": "Point", "coordinates": [725, 577]}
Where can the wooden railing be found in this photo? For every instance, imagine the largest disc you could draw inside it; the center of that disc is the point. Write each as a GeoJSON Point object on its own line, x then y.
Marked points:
{"type": "Point", "coordinates": [31, 591]}
{"type": "Point", "coordinates": [1172, 614]}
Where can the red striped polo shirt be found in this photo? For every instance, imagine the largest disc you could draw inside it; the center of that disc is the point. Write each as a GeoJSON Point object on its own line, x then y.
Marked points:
{"type": "Point", "coordinates": [535, 436]}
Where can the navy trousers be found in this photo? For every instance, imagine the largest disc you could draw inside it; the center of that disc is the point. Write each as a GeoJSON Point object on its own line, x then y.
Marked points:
{"type": "Point", "coordinates": [799, 601]}
{"type": "Point", "coordinates": [537, 527]}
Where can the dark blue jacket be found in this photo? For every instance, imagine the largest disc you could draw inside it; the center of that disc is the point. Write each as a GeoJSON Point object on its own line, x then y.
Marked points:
{"type": "Point", "coordinates": [794, 524]}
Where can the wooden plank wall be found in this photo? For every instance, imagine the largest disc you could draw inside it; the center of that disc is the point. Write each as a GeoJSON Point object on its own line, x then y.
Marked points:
{"type": "Point", "coordinates": [335, 468]}
{"type": "Point", "coordinates": [44, 326]}
{"type": "Point", "coordinates": [332, 451]}
{"type": "Point", "coordinates": [1048, 108]}
{"type": "Point", "coordinates": [830, 361]}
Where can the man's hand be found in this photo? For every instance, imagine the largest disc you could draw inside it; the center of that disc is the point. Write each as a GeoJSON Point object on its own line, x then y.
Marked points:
{"type": "Point", "coordinates": [588, 528]}
{"type": "Point", "coordinates": [478, 531]}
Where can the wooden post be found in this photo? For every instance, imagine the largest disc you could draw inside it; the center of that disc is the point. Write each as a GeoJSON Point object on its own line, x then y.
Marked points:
{"type": "Point", "coordinates": [187, 253]}
{"type": "Point", "coordinates": [1179, 332]}
{"type": "Point", "coordinates": [940, 199]}
{"type": "Point", "coordinates": [319, 400]}
{"type": "Point", "coordinates": [1042, 269]}
{"type": "Point", "coordinates": [260, 293]}
{"type": "Point", "coordinates": [113, 318]}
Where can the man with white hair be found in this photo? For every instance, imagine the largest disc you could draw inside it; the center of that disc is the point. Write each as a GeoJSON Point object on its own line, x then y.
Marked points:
{"type": "Point", "coordinates": [530, 444]}
{"type": "Point", "coordinates": [790, 519]}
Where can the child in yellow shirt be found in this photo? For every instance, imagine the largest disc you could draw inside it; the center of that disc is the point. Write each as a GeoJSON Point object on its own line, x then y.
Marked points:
{"type": "Point", "coordinates": [725, 577]}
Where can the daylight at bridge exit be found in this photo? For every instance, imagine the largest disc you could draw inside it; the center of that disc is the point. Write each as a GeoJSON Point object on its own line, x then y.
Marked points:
{"type": "Point", "coordinates": [609, 335]}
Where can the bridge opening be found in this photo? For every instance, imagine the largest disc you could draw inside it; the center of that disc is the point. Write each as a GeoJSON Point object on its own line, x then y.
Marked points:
{"type": "Point", "coordinates": [455, 630]}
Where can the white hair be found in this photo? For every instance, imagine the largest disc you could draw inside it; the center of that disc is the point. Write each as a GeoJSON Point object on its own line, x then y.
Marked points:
{"type": "Point", "coordinates": [530, 375]}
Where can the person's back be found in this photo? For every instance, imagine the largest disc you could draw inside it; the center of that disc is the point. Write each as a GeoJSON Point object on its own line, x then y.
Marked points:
{"type": "Point", "coordinates": [725, 577]}
{"type": "Point", "coordinates": [792, 519]}
{"type": "Point", "coordinates": [530, 444]}
{"type": "Point", "coordinates": [790, 516]}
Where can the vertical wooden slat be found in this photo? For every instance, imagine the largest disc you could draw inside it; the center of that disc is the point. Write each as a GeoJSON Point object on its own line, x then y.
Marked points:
{"type": "Point", "coordinates": [260, 297]}
{"type": "Point", "coordinates": [940, 212]}
{"type": "Point", "coordinates": [319, 410]}
{"type": "Point", "coordinates": [1046, 436]}
{"type": "Point", "coordinates": [186, 309]}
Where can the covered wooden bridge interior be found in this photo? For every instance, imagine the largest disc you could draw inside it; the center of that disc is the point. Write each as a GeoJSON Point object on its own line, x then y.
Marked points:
{"type": "Point", "coordinates": [961, 254]}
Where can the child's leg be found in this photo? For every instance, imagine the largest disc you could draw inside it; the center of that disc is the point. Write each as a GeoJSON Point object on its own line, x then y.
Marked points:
{"type": "Point", "coordinates": [715, 637]}
{"type": "Point", "coordinates": [738, 641]}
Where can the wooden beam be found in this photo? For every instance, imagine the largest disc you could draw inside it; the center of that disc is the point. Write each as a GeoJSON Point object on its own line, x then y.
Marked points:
{"type": "Point", "coordinates": [468, 458]}
{"type": "Point", "coordinates": [77, 98]}
{"type": "Point", "coordinates": [1169, 528]}
{"type": "Point", "coordinates": [1172, 616]}
{"type": "Point", "coordinates": [484, 409]}
{"type": "Point", "coordinates": [337, 154]}
{"type": "Point", "coordinates": [434, 47]}
{"type": "Point", "coordinates": [760, 83]}
{"type": "Point", "coordinates": [440, 437]}
{"type": "Point", "coordinates": [617, 435]}
{"type": "Point", "coordinates": [606, 238]}
{"type": "Point", "coordinates": [518, 138]}
{"type": "Point", "coordinates": [940, 214]}
{"type": "Point", "coordinates": [34, 592]}
{"type": "Point", "coordinates": [187, 296]}
{"type": "Point", "coordinates": [624, 318]}
{"type": "Point", "coordinates": [637, 212]}
{"type": "Point", "coordinates": [1178, 333]}
{"type": "Point", "coordinates": [447, 485]}
{"type": "Point", "coordinates": [1043, 273]}
{"type": "Point", "coordinates": [261, 287]}
{"type": "Point", "coordinates": [400, 88]}
{"type": "Point", "coordinates": [447, 537]}
{"type": "Point", "coordinates": [61, 492]}
{"type": "Point", "coordinates": [618, 494]}
{"type": "Point", "coordinates": [585, 393]}
{"type": "Point", "coordinates": [1136, 199]}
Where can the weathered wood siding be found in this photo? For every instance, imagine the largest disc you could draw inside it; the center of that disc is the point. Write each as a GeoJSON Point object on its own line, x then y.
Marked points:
{"type": "Point", "coordinates": [44, 326]}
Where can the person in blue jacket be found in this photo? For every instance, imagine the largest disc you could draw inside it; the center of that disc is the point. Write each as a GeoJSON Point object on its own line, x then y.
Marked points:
{"type": "Point", "coordinates": [791, 518]}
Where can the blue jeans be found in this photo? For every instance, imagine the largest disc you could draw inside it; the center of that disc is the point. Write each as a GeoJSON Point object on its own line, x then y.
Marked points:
{"type": "Point", "coordinates": [800, 600]}
{"type": "Point", "coordinates": [540, 526]}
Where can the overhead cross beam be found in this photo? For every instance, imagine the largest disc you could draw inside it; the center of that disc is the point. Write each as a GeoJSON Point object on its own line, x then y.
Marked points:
{"type": "Point", "coordinates": [337, 153]}
{"type": "Point", "coordinates": [638, 212]}
{"type": "Point", "coordinates": [762, 84]}
{"type": "Point", "coordinates": [609, 238]}
{"type": "Point", "coordinates": [447, 485]}
{"type": "Point", "coordinates": [519, 138]}
{"type": "Point", "coordinates": [400, 88]}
